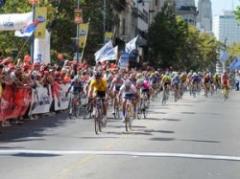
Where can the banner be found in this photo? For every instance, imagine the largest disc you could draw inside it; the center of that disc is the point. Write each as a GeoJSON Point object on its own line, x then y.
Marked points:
{"type": "Point", "coordinates": [111, 54]}
{"type": "Point", "coordinates": [61, 102]}
{"type": "Point", "coordinates": [83, 34]}
{"type": "Point", "coordinates": [30, 28]}
{"type": "Point", "coordinates": [131, 45]}
{"type": "Point", "coordinates": [108, 36]}
{"type": "Point", "coordinates": [42, 49]}
{"type": "Point", "coordinates": [14, 102]}
{"type": "Point", "coordinates": [12, 22]}
{"type": "Point", "coordinates": [41, 13]}
{"type": "Point", "coordinates": [41, 100]}
{"type": "Point", "coordinates": [108, 46]}
{"type": "Point", "coordinates": [124, 61]}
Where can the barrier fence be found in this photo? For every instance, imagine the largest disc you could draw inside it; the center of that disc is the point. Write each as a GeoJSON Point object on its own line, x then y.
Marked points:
{"type": "Point", "coordinates": [23, 101]}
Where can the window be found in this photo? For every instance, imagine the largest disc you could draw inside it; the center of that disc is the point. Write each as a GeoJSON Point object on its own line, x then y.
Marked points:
{"type": "Point", "coordinates": [156, 2]}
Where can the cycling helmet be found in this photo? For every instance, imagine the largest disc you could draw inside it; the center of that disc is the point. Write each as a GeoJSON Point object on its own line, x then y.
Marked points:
{"type": "Point", "coordinates": [128, 83]}
{"type": "Point", "coordinates": [98, 74]}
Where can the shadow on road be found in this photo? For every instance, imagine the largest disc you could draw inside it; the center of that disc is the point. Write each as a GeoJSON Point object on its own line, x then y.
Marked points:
{"type": "Point", "coordinates": [32, 128]}
{"type": "Point", "coordinates": [162, 139]}
{"type": "Point", "coordinates": [159, 131]}
{"type": "Point", "coordinates": [201, 141]}
{"type": "Point", "coordinates": [34, 155]}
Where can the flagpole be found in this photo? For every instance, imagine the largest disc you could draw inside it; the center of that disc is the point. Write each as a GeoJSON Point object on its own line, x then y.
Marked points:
{"type": "Point", "coordinates": [33, 35]}
{"type": "Point", "coordinates": [78, 55]}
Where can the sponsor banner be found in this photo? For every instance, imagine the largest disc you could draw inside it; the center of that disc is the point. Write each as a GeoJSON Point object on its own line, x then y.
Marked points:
{"type": "Point", "coordinates": [124, 61]}
{"type": "Point", "coordinates": [41, 100]}
{"type": "Point", "coordinates": [41, 13]}
{"type": "Point", "coordinates": [42, 49]}
{"type": "Point", "coordinates": [61, 102]}
{"type": "Point", "coordinates": [12, 22]}
{"type": "Point", "coordinates": [83, 33]}
{"type": "Point", "coordinates": [14, 102]}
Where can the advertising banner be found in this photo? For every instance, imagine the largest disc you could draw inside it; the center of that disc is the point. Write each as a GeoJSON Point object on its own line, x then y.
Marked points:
{"type": "Point", "coordinates": [61, 102]}
{"type": "Point", "coordinates": [83, 33]}
{"type": "Point", "coordinates": [41, 100]}
{"type": "Point", "coordinates": [14, 102]}
{"type": "Point", "coordinates": [12, 22]}
{"type": "Point", "coordinates": [41, 13]}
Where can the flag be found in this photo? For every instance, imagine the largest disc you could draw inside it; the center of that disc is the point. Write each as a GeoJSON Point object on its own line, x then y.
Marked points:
{"type": "Point", "coordinates": [30, 28]}
{"type": "Point", "coordinates": [83, 33]}
{"type": "Point", "coordinates": [108, 46]}
{"type": "Point", "coordinates": [236, 65]}
{"type": "Point", "coordinates": [41, 13]}
{"type": "Point", "coordinates": [131, 45]}
{"type": "Point", "coordinates": [2, 2]}
{"type": "Point", "coordinates": [223, 56]}
{"type": "Point", "coordinates": [231, 66]}
{"type": "Point", "coordinates": [110, 54]}
{"type": "Point", "coordinates": [124, 61]}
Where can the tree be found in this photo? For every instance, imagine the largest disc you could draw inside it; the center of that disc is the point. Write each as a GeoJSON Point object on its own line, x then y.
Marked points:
{"type": "Point", "coordinates": [173, 42]}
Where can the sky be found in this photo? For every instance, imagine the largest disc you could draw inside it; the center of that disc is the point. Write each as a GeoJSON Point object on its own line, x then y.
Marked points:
{"type": "Point", "coordinates": [219, 5]}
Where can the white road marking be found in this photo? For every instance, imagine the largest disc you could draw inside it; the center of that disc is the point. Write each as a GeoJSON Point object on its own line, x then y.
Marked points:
{"type": "Point", "coordinates": [124, 153]}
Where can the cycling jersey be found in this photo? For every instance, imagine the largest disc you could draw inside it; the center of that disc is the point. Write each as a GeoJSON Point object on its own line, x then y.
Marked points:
{"type": "Point", "coordinates": [99, 85]}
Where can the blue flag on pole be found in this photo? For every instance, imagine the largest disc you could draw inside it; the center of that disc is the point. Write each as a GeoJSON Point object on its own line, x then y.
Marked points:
{"type": "Point", "coordinates": [2, 2]}
{"type": "Point", "coordinates": [223, 56]}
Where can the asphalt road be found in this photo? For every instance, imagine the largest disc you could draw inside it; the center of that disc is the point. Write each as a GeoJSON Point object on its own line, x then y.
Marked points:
{"type": "Point", "coordinates": [191, 139]}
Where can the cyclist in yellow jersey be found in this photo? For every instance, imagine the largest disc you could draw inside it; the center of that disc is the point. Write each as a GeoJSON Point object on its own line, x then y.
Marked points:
{"type": "Point", "coordinates": [98, 88]}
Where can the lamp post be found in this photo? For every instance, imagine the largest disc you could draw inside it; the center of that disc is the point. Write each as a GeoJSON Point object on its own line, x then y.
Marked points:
{"type": "Point", "coordinates": [33, 2]}
{"type": "Point", "coordinates": [78, 20]}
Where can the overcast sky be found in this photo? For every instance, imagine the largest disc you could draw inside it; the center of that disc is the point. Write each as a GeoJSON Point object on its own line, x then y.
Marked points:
{"type": "Point", "coordinates": [219, 5]}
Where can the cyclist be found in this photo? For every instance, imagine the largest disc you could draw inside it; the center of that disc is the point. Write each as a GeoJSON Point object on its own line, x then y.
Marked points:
{"type": "Point", "coordinates": [225, 81]}
{"type": "Point", "coordinates": [76, 88]}
{"type": "Point", "coordinates": [206, 83]}
{"type": "Point", "coordinates": [116, 84]}
{"type": "Point", "coordinates": [176, 85]}
{"type": "Point", "coordinates": [128, 92]}
{"type": "Point", "coordinates": [98, 88]}
{"type": "Point", "coordinates": [166, 81]}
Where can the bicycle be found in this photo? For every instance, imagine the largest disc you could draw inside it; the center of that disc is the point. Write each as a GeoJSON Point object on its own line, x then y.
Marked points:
{"type": "Point", "coordinates": [98, 116]}
{"type": "Point", "coordinates": [74, 105]}
{"type": "Point", "coordinates": [165, 94]}
{"type": "Point", "coordinates": [225, 93]}
{"type": "Point", "coordinates": [128, 114]}
{"type": "Point", "coordinates": [144, 103]}
{"type": "Point", "coordinates": [116, 108]}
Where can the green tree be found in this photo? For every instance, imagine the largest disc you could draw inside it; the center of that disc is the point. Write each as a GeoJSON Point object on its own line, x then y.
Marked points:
{"type": "Point", "coordinates": [173, 42]}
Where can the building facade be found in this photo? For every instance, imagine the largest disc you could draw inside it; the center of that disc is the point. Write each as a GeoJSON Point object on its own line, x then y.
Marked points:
{"type": "Point", "coordinates": [226, 28]}
{"type": "Point", "coordinates": [187, 10]}
{"type": "Point", "coordinates": [138, 16]}
{"type": "Point", "coordinates": [204, 19]}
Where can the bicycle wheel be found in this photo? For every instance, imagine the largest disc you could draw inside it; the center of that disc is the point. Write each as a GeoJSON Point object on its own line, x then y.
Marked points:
{"type": "Point", "coordinates": [127, 118]}
{"type": "Point", "coordinates": [164, 98]}
{"type": "Point", "coordinates": [97, 122]}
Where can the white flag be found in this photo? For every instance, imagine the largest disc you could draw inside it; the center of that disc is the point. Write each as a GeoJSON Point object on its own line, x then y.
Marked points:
{"type": "Point", "coordinates": [111, 54]}
{"type": "Point", "coordinates": [131, 45]}
{"type": "Point", "coordinates": [108, 46]}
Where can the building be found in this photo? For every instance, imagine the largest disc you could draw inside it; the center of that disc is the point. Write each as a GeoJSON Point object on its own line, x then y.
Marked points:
{"type": "Point", "coordinates": [137, 18]}
{"type": "Point", "coordinates": [187, 10]}
{"type": "Point", "coordinates": [204, 19]}
{"type": "Point", "coordinates": [226, 28]}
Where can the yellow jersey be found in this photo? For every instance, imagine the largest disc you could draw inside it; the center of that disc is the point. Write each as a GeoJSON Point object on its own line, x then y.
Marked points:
{"type": "Point", "coordinates": [99, 85]}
